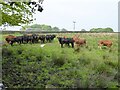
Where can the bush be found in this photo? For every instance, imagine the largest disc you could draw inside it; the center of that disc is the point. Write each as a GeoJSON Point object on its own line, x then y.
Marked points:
{"type": "Point", "coordinates": [113, 64]}
{"type": "Point", "coordinates": [102, 68]}
{"type": "Point", "coordinates": [101, 30]}
{"type": "Point", "coordinates": [6, 52]}
{"type": "Point", "coordinates": [58, 60]}
{"type": "Point", "coordinates": [84, 61]}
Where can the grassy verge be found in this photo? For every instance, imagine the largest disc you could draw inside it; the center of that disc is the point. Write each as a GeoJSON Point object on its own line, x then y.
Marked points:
{"type": "Point", "coordinates": [30, 66]}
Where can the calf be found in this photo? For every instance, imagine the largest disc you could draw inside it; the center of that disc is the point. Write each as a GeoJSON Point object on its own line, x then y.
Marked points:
{"type": "Point", "coordinates": [79, 41]}
{"type": "Point", "coordinates": [107, 43]}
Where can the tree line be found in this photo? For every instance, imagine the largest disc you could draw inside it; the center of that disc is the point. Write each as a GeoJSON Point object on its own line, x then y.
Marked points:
{"type": "Point", "coordinates": [38, 27]}
{"type": "Point", "coordinates": [101, 30]}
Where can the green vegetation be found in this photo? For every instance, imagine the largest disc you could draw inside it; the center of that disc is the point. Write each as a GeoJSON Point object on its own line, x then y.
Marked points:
{"type": "Point", "coordinates": [16, 13]}
{"type": "Point", "coordinates": [21, 13]}
{"type": "Point", "coordinates": [38, 27]}
{"type": "Point", "coordinates": [101, 30]}
{"type": "Point", "coordinates": [83, 30]}
{"type": "Point", "coordinates": [30, 66]}
{"type": "Point", "coordinates": [64, 29]}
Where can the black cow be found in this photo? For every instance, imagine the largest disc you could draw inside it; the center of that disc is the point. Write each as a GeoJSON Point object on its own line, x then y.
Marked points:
{"type": "Point", "coordinates": [66, 41]}
{"type": "Point", "coordinates": [35, 38]}
{"type": "Point", "coordinates": [17, 39]}
{"type": "Point", "coordinates": [25, 38]}
{"type": "Point", "coordinates": [12, 41]}
{"type": "Point", "coordinates": [28, 38]}
{"type": "Point", "coordinates": [42, 38]}
{"type": "Point", "coordinates": [50, 38]}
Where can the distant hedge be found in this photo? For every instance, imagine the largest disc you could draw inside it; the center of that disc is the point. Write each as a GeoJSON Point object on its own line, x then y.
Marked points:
{"type": "Point", "coordinates": [101, 30]}
{"type": "Point", "coordinates": [23, 32]}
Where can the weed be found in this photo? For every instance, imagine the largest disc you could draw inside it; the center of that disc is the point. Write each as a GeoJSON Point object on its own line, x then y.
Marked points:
{"type": "Point", "coordinates": [58, 60]}
{"type": "Point", "coordinates": [83, 60]}
{"type": "Point", "coordinates": [6, 52]}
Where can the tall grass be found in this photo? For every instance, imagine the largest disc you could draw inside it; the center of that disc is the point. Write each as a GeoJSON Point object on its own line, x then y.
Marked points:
{"type": "Point", "coordinates": [29, 65]}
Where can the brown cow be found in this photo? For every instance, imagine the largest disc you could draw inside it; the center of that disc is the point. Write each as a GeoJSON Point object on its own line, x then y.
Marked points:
{"type": "Point", "coordinates": [107, 43]}
{"type": "Point", "coordinates": [9, 38]}
{"type": "Point", "coordinates": [79, 41]}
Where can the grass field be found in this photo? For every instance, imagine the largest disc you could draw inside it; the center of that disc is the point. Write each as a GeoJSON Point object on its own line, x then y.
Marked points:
{"type": "Point", "coordinates": [29, 65]}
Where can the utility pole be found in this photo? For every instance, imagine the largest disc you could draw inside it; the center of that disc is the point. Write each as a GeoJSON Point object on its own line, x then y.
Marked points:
{"type": "Point", "coordinates": [74, 25]}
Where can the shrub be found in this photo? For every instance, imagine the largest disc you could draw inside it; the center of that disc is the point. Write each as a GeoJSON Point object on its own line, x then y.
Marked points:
{"type": "Point", "coordinates": [6, 52]}
{"type": "Point", "coordinates": [58, 60]}
{"type": "Point", "coordinates": [102, 68]}
{"type": "Point", "coordinates": [105, 57]}
{"type": "Point", "coordinates": [19, 51]}
{"type": "Point", "coordinates": [113, 64]}
{"type": "Point", "coordinates": [84, 60]}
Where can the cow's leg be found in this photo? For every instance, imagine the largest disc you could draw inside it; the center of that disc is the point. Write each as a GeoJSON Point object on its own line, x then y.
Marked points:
{"type": "Point", "coordinates": [37, 40]}
{"type": "Point", "coordinates": [61, 45]}
{"type": "Point", "coordinates": [99, 47]}
{"type": "Point", "coordinates": [43, 40]}
{"type": "Point", "coordinates": [72, 45]}
{"type": "Point", "coordinates": [49, 40]}
{"type": "Point", "coordinates": [85, 43]}
{"type": "Point", "coordinates": [27, 41]}
{"type": "Point", "coordinates": [33, 41]}
{"type": "Point", "coordinates": [20, 41]}
{"type": "Point", "coordinates": [11, 43]}
{"type": "Point", "coordinates": [68, 44]}
{"type": "Point", "coordinates": [109, 46]}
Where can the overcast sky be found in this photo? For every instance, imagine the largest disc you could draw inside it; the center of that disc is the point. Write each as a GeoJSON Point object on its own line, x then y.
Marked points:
{"type": "Point", "coordinates": [87, 14]}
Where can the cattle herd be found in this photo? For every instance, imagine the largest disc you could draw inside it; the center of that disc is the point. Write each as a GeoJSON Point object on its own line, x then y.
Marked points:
{"type": "Point", "coordinates": [29, 38]}
{"type": "Point", "coordinates": [35, 38]}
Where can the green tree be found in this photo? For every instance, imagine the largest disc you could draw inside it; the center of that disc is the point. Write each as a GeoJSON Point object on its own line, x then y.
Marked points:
{"type": "Point", "coordinates": [83, 30]}
{"type": "Point", "coordinates": [25, 27]}
{"type": "Point", "coordinates": [46, 27]}
{"type": "Point", "coordinates": [35, 26]}
{"type": "Point", "coordinates": [56, 29]}
{"type": "Point", "coordinates": [49, 28]}
{"type": "Point", "coordinates": [40, 27]}
{"type": "Point", "coordinates": [101, 30]}
{"type": "Point", "coordinates": [109, 29]}
{"type": "Point", "coordinates": [16, 13]}
{"type": "Point", "coordinates": [64, 29]}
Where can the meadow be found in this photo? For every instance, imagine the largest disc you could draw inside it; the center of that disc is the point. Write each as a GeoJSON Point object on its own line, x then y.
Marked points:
{"type": "Point", "coordinates": [32, 66]}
